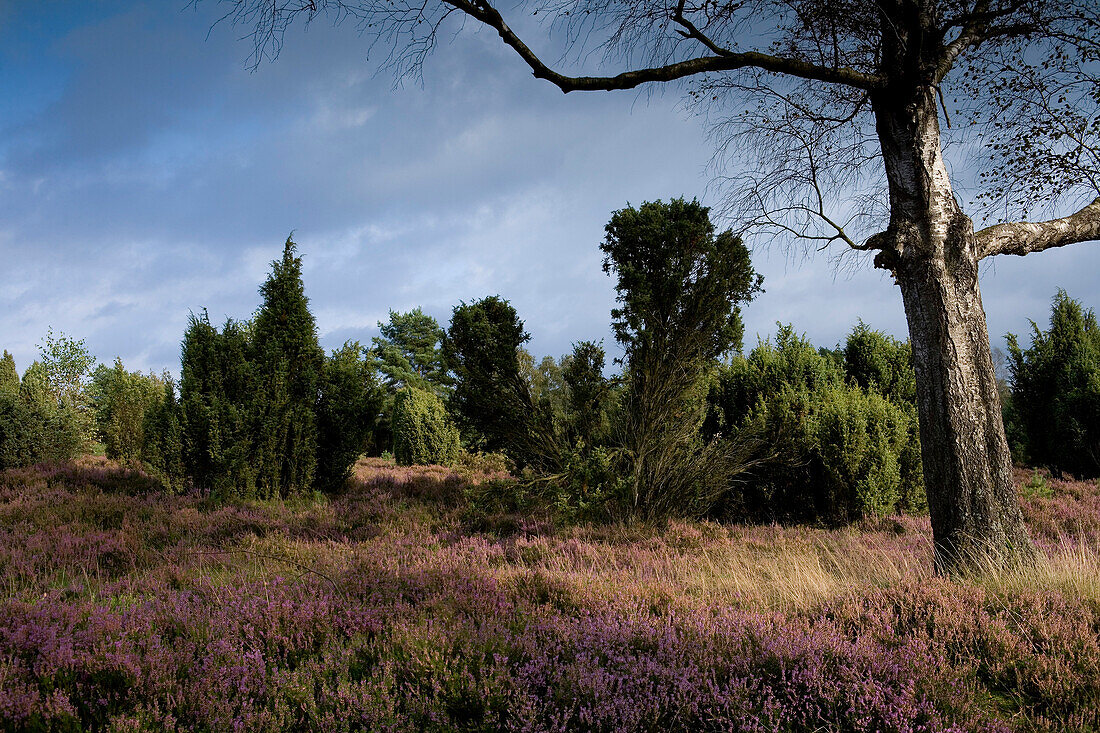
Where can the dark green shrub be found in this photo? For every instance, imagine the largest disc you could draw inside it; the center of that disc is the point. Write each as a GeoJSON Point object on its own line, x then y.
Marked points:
{"type": "Point", "coordinates": [36, 430]}
{"type": "Point", "coordinates": [873, 360]}
{"type": "Point", "coordinates": [35, 425]}
{"type": "Point", "coordinates": [772, 394]}
{"type": "Point", "coordinates": [1056, 390]}
{"type": "Point", "coordinates": [422, 433]}
{"type": "Point", "coordinates": [162, 446]}
{"type": "Point", "coordinates": [217, 387]}
{"type": "Point", "coordinates": [680, 286]}
{"type": "Point", "coordinates": [9, 376]}
{"type": "Point", "coordinates": [347, 412]}
{"type": "Point", "coordinates": [860, 438]}
{"type": "Point", "coordinates": [250, 395]}
{"type": "Point", "coordinates": [587, 393]}
{"type": "Point", "coordinates": [492, 402]}
{"type": "Point", "coordinates": [287, 365]}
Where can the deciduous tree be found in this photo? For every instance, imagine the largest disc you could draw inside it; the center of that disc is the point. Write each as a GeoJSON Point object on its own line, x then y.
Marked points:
{"type": "Point", "coordinates": [827, 97]}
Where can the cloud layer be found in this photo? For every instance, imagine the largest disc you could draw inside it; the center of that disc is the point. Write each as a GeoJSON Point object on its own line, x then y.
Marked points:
{"type": "Point", "coordinates": [145, 173]}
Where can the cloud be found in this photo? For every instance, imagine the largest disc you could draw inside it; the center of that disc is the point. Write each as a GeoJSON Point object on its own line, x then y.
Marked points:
{"type": "Point", "coordinates": [147, 173]}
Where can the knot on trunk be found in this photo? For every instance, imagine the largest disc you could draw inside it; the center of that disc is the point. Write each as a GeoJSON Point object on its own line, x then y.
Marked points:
{"type": "Point", "coordinates": [887, 259]}
{"type": "Point", "coordinates": [960, 246]}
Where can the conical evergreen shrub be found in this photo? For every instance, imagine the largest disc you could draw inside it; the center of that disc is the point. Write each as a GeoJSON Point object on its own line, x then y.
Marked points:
{"type": "Point", "coordinates": [9, 376]}
{"type": "Point", "coordinates": [288, 368]}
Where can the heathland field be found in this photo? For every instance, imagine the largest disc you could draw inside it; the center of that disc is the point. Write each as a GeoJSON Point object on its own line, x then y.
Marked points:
{"type": "Point", "coordinates": [396, 606]}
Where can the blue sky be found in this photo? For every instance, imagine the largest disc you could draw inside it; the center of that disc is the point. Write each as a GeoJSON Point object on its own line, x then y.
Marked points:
{"type": "Point", "coordinates": [146, 171]}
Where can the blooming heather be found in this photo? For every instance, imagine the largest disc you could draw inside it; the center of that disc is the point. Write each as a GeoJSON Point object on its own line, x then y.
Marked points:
{"type": "Point", "coordinates": [123, 609]}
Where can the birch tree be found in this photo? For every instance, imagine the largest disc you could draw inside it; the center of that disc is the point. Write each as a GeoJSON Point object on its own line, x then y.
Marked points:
{"type": "Point", "coordinates": [834, 116]}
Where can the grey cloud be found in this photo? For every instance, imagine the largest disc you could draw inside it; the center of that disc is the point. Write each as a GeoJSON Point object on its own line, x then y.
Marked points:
{"type": "Point", "coordinates": [166, 176]}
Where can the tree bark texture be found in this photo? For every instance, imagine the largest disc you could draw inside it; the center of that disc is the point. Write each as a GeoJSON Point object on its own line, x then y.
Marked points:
{"type": "Point", "coordinates": [933, 253]}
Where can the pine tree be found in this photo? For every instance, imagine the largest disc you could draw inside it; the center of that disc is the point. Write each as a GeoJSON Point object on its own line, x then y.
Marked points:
{"type": "Point", "coordinates": [409, 355]}
{"type": "Point", "coordinates": [288, 363]}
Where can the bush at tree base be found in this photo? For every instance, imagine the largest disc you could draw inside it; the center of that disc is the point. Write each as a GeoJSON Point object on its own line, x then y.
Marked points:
{"type": "Point", "coordinates": [837, 452]}
{"type": "Point", "coordinates": [422, 432]}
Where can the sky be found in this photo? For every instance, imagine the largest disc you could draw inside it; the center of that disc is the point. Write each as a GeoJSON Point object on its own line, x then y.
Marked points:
{"type": "Point", "coordinates": [148, 171]}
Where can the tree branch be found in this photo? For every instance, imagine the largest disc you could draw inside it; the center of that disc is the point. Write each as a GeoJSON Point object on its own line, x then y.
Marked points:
{"type": "Point", "coordinates": [1021, 238]}
{"type": "Point", "coordinates": [977, 27]}
{"type": "Point", "coordinates": [726, 61]}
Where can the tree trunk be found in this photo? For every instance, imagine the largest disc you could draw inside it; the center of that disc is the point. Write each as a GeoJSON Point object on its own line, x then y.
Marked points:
{"type": "Point", "coordinates": [976, 518]}
{"type": "Point", "coordinates": [931, 250]}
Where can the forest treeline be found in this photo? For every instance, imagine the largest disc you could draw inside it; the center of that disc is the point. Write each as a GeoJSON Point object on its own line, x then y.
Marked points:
{"type": "Point", "coordinates": [688, 425]}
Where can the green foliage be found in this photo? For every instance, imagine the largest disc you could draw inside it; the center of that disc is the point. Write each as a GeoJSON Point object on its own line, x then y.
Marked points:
{"type": "Point", "coordinates": [679, 285]}
{"type": "Point", "coordinates": [592, 484]}
{"type": "Point", "coordinates": [589, 393]}
{"type": "Point", "coordinates": [351, 399]}
{"type": "Point", "coordinates": [422, 432]}
{"type": "Point", "coordinates": [1037, 486]}
{"type": "Point", "coordinates": [9, 375]}
{"type": "Point", "coordinates": [492, 402]}
{"type": "Point", "coordinates": [873, 360]}
{"type": "Point", "coordinates": [287, 365]}
{"type": "Point", "coordinates": [67, 367]}
{"type": "Point", "coordinates": [64, 369]}
{"type": "Point", "coordinates": [34, 426]}
{"type": "Point", "coordinates": [262, 413]}
{"type": "Point", "coordinates": [1056, 390]}
{"type": "Point", "coordinates": [120, 401]}
{"type": "Point", "coordinates": [162, 448]}
{"type": "Point", "coordinates": [39, 419]}
{"type": "Point", "coordinates": [680, 288]}
{"type": "Point", "coordinates": [33, 431]}
{"type": "Point", "coordinates": [216, 389]}
{"type": "Point", "coordinates": [860, 437]}
{"type": "Point", "coordinates": [838, 452]}
{"type": "Point", "coordinates": [877, 362]}
{"type": "Point", "coordinates": [408, 353]}
{"type": "Point", "coordinates": [546, 384]}
{"type": "Point", "coordinates": [35, 384]}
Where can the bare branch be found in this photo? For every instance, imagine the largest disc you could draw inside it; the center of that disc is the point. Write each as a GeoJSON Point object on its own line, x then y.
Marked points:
{"type": "Point", "coordinates": [728, 61]}
{"type": "Point", "coordinates": [1021, 238]}
{"type": "Point", "coordinates": [980, 26]}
